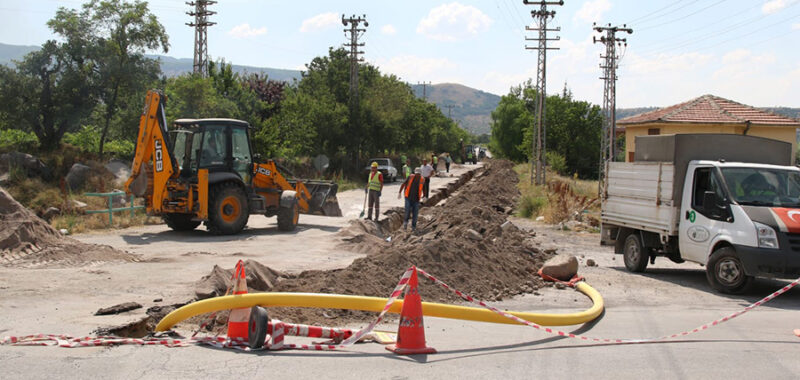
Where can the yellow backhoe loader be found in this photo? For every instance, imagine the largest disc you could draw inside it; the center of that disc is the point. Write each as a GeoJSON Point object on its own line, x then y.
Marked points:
{"type": "Point", "coordinates": [203, 171]}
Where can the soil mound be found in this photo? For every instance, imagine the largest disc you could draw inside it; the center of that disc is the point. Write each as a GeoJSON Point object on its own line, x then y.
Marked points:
{"type": "Point", "coordinates": [28, 241]}
{"type": "Point", "coordinates": [467, 243]}
{"type": "Point", "coordinates": [260, 278]}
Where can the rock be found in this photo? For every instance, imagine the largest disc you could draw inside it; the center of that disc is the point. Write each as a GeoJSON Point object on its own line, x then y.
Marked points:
{"type": "Point", "coordinates": [591, 263]}
{"type": "Point", "coordinates": [4, 179]}
{"type": "Point", "coordinates": [77, 204]}
{"type": "Point", "coordinates": [119, 200]}
{"type": "Point", "coordinates": [560, 286]}
{"type": "Point", "coordinates": [64, 231]}
{"type": "Point", "coordinates": [120, 169]}
{"type": "Point", "coordinates": [116, 309]}
{"type": "Point", "coordinates": [50, 213]}
{"type": "Point", "coordinates": [562, 267]}
{"type": "Point", "coordinates": [76, 178]}
{"type": "Point", "coordinates": [507, 226]}
{"type": "Point", "coordinates": [474, 235]}
{"type": "Point", "coordinates": [540, 219]}
{"type": "Point", "coordinates": [30, 164]}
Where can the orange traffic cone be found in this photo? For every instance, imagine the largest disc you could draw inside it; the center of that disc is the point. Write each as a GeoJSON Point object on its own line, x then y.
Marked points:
{"type": "Point", "coordinates": [239, 319]}
{"type": "Point", "coordinates": [411, 333]}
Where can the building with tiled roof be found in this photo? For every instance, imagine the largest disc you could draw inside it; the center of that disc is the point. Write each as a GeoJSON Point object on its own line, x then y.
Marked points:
{"type": "Point", "coordinates": [708, 114]}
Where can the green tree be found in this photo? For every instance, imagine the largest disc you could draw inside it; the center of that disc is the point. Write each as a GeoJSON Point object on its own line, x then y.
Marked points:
{"type": "Point", "coordinates": [116, 34]}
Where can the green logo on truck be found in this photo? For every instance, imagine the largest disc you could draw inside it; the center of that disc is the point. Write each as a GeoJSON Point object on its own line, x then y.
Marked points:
{"type": "Point", "coordinates": [692, 216]}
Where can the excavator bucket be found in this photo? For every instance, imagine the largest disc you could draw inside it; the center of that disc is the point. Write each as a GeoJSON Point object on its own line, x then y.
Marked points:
{"type": "Point", "coordinates": [323, 197]}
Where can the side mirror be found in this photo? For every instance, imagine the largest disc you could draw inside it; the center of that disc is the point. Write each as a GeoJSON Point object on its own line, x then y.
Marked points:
{"type": "Point", "coordinates": [713, 205]}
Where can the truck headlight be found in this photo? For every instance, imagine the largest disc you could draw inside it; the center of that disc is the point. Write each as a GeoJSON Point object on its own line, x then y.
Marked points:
{"type": "Point", "coordinates": [767, 238]}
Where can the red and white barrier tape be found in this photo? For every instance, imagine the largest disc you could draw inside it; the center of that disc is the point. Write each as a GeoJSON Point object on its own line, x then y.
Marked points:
{"type": "Point", "coordinates": [604, 340]}
{"type": "Point", "coordinates": [279, 329]}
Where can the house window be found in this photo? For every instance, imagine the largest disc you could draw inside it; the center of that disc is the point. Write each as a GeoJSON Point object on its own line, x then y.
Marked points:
{"type": "Point", "coordinates": [654, 131]}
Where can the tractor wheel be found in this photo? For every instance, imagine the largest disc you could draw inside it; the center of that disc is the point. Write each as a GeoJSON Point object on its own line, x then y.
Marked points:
{"type": "Point", "coordinates": [288, 217]}
{"type": "Point", "coordinates": [180, 222]}
{"type": "Point", "coordinates": [227, 210]}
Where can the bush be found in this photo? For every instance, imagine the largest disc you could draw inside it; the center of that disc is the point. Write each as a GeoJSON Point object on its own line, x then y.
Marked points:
{"type": "Point", "coordinates": [556, 162]}
{"type": "Point", "coordinates": [88, 140]}
{"type": "Point", "coordinates": [531, 206]}
{"type": "Point", "coordinates": [19, 140]}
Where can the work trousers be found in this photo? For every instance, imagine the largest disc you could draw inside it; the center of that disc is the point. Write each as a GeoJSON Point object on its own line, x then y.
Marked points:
{"type": "Point", "coordinates": [374, 199]}
{"type": "Point", "coordinates": [426, 186]}
{"type": "Point", "coordinates": [447, 166]}
{"type": "Point", "coordinates": [412, 209]}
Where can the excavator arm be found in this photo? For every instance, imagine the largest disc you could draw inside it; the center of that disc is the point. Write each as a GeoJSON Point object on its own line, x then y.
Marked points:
{"type": "Point", "coordinates": [153, 157]}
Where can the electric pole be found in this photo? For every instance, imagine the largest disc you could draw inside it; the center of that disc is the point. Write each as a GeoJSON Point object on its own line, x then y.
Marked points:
{"type": "Point", "coordinates": [424, 89]}
{"type": "Point", "coordinates": [450, 111]}
{"type": "Point", "coordinates": [538, 161]}
{"type": "Point", "coordinates": [200, 24]}
{"type": "Point", "coordinates": [609, 66]}
{"type": "Point", "coordinates": [355, 33]}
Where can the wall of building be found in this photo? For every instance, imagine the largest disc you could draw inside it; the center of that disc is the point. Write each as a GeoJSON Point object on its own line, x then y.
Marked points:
{"type": "Point", "coordinates": [787, 134]}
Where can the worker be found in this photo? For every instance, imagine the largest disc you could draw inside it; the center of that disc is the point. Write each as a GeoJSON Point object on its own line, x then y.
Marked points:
{"type": "Point", "coordinates": [406, 168]}
{"type": "Point", "coordinates": [469, 155]}
{"type": "Point", "coordinates": [413, 186]}
{"type": "Point", "coordinates": [374, 187]}
{"type": "Point", "coordinates": [447, 161]}
{"type": "Point", "coordinates": [435, 162]}
{"type": "Point", "coordinates": [427, 172]}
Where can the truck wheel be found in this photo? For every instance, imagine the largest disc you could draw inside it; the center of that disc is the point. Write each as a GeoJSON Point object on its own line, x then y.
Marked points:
{"type": "Point", "coordinates": [634, 254]}
{"type": "Point", "coordinates": [725, 272]}
{"type": "Point", "coordinates": [228, 210]}
{"type": "Point", "coordinates": [288, 217]}
{"type": "Point", "coordinates": [180, 222]}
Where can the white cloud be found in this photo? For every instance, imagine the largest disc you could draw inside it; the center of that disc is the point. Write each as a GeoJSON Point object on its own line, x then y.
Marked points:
{"type": "Point", "coordinates": [388, 30]}
{"type": "Point", "coordinates": [773, 6]}
{"type": "Point", "coordinates": [246, 31]}
{"type": "Point", "coordinates": [412, 68]}
{"type": "Point", "coordinates": [742, 65]}
{"type": "Point", "coordinates": [796, 26]}
{"type": "Point", "coordinates": [320, 21]}
{"type": "Point", "coordinates": [453, 21]}
{"type": "Point", "coordinates": [592, 11]}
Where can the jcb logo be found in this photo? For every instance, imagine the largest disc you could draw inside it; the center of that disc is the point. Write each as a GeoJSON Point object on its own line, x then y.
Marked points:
{"type": "Point", "coordinates": [264, 171]}
{"type": "Point", "coordinates": [159, 155]}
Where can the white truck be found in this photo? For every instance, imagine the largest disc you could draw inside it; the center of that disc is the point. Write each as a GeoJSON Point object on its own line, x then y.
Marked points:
{"type": "Point", "coordinates": [729, 202]}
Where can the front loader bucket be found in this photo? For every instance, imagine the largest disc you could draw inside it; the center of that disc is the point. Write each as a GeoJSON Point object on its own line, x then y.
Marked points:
{"type": "Point", "coordinates": [323, 197]}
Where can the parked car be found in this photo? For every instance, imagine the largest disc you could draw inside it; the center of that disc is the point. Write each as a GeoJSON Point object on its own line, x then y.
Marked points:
{"type": "Point", "coordinates": [385, 166]}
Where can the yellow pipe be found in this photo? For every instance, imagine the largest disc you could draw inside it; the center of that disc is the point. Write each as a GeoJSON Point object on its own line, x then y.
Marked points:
{"type": "Point", "coordinates": [336, 301]}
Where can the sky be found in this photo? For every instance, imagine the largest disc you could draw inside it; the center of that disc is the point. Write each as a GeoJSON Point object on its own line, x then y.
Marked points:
{"type": "Point", "coordinates": [743, 50]}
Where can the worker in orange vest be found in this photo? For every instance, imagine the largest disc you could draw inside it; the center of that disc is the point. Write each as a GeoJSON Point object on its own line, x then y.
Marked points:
{"type": "Point", "coordinates": [374, 186]}
{"type": "Point", "coordinates": [413, 186]}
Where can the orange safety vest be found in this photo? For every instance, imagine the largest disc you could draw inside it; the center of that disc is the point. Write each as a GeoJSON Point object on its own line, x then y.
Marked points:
{"type": "Point", "coordinates": [411, 180]}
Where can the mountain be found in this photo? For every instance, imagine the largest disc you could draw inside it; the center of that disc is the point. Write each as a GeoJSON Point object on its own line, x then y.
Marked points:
{"type": "Point", "coordinates": [171, 67]}
{"type": "Point", "coordinates": [471, 108]}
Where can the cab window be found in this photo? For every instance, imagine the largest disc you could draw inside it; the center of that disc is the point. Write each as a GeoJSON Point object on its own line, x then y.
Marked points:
{"type": "Point", "coordinates": [213, 153]}
{"type": "Point", "coordinates": [242, 159]}
{"type": "Point", "coordinates": [705, 179]}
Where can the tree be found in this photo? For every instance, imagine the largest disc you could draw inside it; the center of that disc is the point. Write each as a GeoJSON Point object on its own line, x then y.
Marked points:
{"type": "Point", "coordinates": [115, 35]}
{"type": "Point", "coordinates": [48, 93]}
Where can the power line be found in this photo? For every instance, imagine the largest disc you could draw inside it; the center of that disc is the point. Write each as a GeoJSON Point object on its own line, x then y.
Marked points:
{"type": "Point", "coordinates": [200, 24]}
{"type": "Point", "coordinates": [355, 32]}
{"type": "Point", "coordinates": [682, 17]}
{"type": "Point", "coordinates": [641, 18]}
{"type": "Point", "coordinates": [539, 140]}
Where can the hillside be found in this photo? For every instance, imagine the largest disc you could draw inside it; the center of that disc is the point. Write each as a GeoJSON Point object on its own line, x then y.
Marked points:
{"type": "Point", "coordinates": [472, 108]}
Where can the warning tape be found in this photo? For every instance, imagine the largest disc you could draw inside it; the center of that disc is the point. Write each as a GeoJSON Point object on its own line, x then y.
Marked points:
{"type": "Point", "coordinates": [604, 340]}
{"type": "Point", "coordinates": [279, 329]}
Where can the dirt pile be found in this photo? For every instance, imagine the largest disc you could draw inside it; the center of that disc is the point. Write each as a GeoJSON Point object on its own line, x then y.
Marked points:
{"type": "Point", "coordinates": [28, 241]}
{"type": "Point", "coordinates": [260, 278]}
{"type": "Point", "coordinates": [467, 243]}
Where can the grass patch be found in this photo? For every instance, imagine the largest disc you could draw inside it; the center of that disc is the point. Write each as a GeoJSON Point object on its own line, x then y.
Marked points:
{"type": "Point", "coordinates": [562, 199]}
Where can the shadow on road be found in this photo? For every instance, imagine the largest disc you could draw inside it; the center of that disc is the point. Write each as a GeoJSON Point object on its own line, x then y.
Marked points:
{"type": "Point", "coordinates": [696, 279]}
{"type": "Point", "coordinates": [205, 237]}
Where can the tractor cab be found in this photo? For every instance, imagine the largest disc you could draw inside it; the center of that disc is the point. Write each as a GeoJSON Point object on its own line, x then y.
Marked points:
{"type": "Point", "coordinates": [219, 145]}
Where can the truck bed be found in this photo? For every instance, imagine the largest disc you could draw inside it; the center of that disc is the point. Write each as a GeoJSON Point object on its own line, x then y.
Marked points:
{"type": "Point", "coordinates": [640, 196]}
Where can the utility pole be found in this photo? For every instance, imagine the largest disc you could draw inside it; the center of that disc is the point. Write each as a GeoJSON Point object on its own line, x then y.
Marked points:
{"type": "Point", "coordinates": [200, 24]}
{"type": "Point", "coordinates": [538, 161]}
{"type": "Point", "coordinates": [424, 89]}
{"type": "Point", "coordinates": [609, 66]}
{"type": "Point", "coordinates": [355, 33]}
{"type": "Point", "coordinates": [450, 111]}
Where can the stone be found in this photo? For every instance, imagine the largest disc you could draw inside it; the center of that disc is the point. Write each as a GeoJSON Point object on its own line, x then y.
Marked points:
{"type": "Point", "coordinates": [50, 213]}
{"type": "Point", "coordinates": [30, 164]}
{"type": "Point", "coordinates": [120, 308]}
{"type": "Point", "coordinates": [120, 169]}
{"type": "Point", "coordinates": [540, 219]}
{"type": "Point", "coordinates": [562, 267]}
{"type": "Point", "coordinates": [77, 204]}
{"type": "Point", "coordinates": [77, 176]}
{"type": "Point", "coordinates": [474, 235]}
{"type": "Point", "coordinates": [591, 263]}
{"type": "Point", "coordinates": [119, 200]}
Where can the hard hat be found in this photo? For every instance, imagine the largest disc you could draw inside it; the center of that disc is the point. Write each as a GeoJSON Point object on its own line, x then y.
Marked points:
{"type": "Point", "coordinates": [374, 164]}
{"type": "Point", "coordinates": [417, 170]}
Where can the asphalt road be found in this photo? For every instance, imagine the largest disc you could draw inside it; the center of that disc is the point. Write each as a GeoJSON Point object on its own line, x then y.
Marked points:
{"type": "Point", "coordinates": [666, 299]}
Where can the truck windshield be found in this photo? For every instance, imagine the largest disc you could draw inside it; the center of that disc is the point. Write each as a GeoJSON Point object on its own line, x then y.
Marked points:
{"type": "Point", "coordinates": [763, 187]}
{"type": "Point", "coordinates": [183, 140]}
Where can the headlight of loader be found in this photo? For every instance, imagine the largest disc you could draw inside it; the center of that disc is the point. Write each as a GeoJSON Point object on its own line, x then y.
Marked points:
{"type": "Point", "coordinates": [767, 238]}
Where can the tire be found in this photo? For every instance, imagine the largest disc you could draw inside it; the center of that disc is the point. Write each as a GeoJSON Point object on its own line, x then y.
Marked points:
{"type": "Point", "coordinates": [725, 272]}
{"type": "Point", "coordinates": [634, 254]}
{"type": "Point", "coordinates": [227, 210]}
{"type": "Point", "coordinates": [288, 217]}
{"type": "Point", "coordinates": [180, 222]}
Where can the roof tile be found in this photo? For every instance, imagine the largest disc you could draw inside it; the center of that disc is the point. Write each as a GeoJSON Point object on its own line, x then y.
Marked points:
{"type": "Point", "coordinates": [710, 109]}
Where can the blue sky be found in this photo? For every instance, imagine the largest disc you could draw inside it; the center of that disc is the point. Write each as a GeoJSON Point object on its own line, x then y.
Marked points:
{"type": "Point", "coordinates": [744, 50]}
